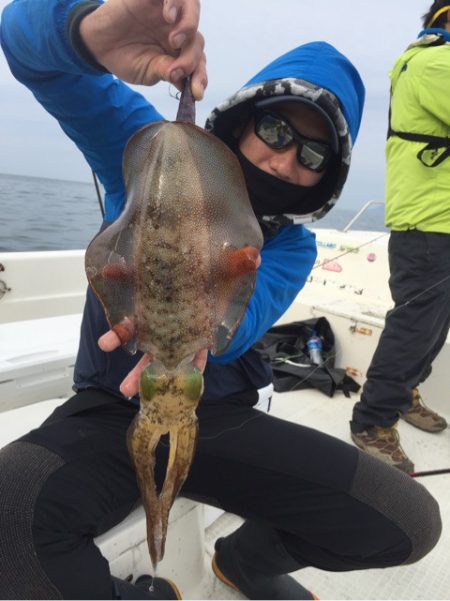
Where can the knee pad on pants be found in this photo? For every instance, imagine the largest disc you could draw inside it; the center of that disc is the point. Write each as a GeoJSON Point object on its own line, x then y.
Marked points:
{"type": "Point", "coordinates": [24, 469]}
{"type": "Point", "coordinates": [402, 500]}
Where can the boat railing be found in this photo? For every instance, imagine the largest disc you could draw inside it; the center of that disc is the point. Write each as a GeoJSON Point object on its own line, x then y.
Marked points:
{"type": "Point", "coordinates": [360, 212]}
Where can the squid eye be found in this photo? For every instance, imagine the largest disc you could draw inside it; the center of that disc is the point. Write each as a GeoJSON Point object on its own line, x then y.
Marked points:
{"type": "Point", "coordinates": [148, 383]}
{"type": "Point", "coordinates": [193, 386]}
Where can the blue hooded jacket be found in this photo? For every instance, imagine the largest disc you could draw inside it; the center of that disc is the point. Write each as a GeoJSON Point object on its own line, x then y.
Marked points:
{"type": "Point", "coordinates": [320, 75]}
{"type": "Point", "coordinates": [100, 113]}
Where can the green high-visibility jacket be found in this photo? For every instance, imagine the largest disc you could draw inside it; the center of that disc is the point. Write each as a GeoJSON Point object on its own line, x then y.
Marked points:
{"type": "Point", "coordinates": [418, 196]}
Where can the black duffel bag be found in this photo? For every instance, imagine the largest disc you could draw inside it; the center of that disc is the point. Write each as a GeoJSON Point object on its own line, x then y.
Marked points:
{"type": "Point", "coordinates": [286, 348]}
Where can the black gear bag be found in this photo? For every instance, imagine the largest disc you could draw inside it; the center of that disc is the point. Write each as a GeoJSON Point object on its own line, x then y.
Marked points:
{"type": "Point", "coordinates": [285, 348]}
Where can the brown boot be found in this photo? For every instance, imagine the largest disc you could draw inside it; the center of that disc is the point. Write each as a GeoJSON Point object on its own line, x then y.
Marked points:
{"type": "Point", "coordinates": [422, 417]}
{"type": "Point", "coordinates": [384, 443]}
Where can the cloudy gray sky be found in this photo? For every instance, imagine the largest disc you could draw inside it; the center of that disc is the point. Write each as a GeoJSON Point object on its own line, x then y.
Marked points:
{"type": "Point", "coordinates": [242, 36]}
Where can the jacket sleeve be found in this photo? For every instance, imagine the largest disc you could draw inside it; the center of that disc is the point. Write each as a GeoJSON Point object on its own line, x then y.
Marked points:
{"type": "Point", "coordinates": [97, 111]}
{"type": "Point", "coordinates": [286, 262]}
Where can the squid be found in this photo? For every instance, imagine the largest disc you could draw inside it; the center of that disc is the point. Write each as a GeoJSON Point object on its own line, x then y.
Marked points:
{"type": "Point", "coordinates": [174, 273]}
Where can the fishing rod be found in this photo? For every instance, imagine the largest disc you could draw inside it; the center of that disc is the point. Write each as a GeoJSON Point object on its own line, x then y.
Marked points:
{"type": "Point", "coordinates": [99, 196]}
{"type": "Point", "coordinates": [430, 473]}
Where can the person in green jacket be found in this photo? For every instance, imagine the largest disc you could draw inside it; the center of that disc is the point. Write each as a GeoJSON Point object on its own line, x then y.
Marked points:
{"type": "Point", "coordinates": [418, 215]}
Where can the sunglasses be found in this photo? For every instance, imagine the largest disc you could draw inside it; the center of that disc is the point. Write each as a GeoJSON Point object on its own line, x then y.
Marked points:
{"type": "Point", "coordinates": [278, 133]}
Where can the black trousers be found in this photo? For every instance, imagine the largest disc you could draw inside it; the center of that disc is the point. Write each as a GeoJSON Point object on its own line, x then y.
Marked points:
{"type": "Point", "coordinates": [415, 330]}
{"type": "Point", "coordinates": [71, 479]}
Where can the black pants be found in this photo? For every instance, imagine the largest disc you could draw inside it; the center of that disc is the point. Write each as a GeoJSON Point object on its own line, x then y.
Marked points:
{"type": "Point", "coordinates": [415, 330]}
{"type": "Point", "coordinates": [71, 479]}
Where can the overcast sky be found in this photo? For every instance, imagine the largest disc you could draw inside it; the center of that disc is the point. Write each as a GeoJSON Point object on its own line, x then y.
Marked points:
{"type": "Point", "coordinates": [242, 36]}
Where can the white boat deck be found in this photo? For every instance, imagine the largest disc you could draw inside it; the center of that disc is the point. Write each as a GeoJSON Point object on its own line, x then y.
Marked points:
{"type": "Point", "coordinates": [36, 363]}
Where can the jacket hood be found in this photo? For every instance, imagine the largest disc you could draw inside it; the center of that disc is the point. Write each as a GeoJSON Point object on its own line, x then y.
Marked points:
{"type": "Point", "coordinates": [321, 74]}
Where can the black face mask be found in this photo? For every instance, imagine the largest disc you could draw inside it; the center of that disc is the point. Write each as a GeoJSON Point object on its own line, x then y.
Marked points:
{"type": "Point", "coordinates": [270, 195]}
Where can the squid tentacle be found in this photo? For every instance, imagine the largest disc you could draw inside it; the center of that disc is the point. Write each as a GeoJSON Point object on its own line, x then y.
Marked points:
{"type": "Point", "coordinates": [143, 438]}
{"type": "Point", "coordinates": [183, 441]}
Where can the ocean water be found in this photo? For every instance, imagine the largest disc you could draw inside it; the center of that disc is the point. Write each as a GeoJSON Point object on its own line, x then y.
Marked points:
{"type": "Point", "coordinates": [52, 214]}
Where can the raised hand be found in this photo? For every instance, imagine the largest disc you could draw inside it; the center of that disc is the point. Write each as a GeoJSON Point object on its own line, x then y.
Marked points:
{"type": "Point", "coordinates": [146, 41]}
